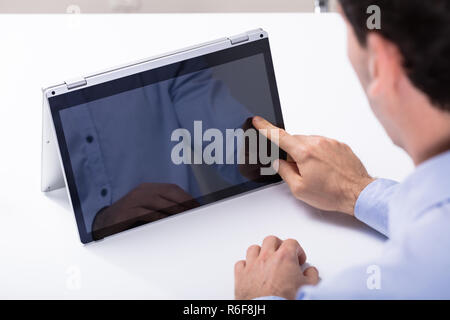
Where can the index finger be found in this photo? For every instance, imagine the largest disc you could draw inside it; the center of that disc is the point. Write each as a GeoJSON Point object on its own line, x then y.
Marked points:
{"type": "Point", "coordinates": [284, 140]}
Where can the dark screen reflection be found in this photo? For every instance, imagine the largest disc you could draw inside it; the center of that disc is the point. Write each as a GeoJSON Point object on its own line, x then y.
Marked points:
{"type": "Point", "coordinates": [120, 146]}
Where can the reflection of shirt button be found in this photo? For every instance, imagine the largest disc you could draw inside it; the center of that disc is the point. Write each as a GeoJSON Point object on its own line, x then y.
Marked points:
{"type": "Point", "coordinates": [89, 139]}
{"type": "Point", "coordinates": [104, 192]}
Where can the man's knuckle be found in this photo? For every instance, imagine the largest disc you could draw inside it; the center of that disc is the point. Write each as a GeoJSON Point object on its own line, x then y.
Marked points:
{"type": "Point", "coordinates": [297, 187]}
{"type": "Point", "coordinates": [345, 146]}
{"type": "Point", "coordinates": [264, 256]}
{"type": "Point", "coordinates": [291, 240]}
{"type": "Point", "coordinates": [291, 244]}
{"type": "Point", "coordinates": [284, 252]}
{"type": "Point", "coordinates": [288, 248]}
{"type": "Point", "coordinates": [320, 142]}
{"type": "Point", "coordinates": [253, 247]}
{"type": "Point", "coordinates": [270, 238]}
{"type": "Point", "coordinates": [305, 151]}
{"type": "Point", "coordinates": [282, 133]}
{"type": "Point", "coordinates": [239, 265]}
{"type": "Point", "coordinates": [295, 152]}
{"type": "Point", "coordinates": [335, 142]}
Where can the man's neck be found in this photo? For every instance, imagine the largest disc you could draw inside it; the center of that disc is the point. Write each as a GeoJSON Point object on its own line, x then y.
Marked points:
{"type": "Point", "coordinates": [433, 150]}
{"type": "Point", "coordinates": [430, 134]}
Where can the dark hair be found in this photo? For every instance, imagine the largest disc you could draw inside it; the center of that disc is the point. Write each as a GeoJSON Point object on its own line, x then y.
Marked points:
{"type": "Point", "coordinates": [421, 31]}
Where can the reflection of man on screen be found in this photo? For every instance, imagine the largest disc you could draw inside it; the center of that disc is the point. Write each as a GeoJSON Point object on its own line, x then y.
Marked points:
{"type": "Point", "coordinates": [120, 149]}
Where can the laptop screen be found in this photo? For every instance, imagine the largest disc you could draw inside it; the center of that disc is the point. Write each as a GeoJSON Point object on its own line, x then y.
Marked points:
{"type": "Point", "coordinates": [160, 142]}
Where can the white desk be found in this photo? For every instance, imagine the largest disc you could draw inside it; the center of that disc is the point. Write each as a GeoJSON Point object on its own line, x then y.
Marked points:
{"type": "Point", "coordinates": [191, 255]}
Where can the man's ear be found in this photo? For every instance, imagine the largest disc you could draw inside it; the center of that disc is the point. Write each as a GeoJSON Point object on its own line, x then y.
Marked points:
{"type": "Point", "coordinates": [384, 65]}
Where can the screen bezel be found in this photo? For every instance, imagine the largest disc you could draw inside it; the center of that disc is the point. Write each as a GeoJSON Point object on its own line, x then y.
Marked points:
{"type": "Point", "coordinates": [143, 78]}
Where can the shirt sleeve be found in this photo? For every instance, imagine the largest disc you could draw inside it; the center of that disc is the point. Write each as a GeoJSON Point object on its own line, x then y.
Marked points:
{"type": "Point", "coordinates": [413, 268]}
{"type": "Point", "coordinates": [372, 205]}
{"type": "Point", "coordinates": [365, 282]}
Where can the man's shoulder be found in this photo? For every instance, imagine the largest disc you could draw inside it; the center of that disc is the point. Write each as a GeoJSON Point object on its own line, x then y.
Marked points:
{"type": "Point", "coordinates": [429, 231]}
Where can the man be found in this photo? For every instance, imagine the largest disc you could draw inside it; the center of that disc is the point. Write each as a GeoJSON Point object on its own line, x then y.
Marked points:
{"type": "Point", "coordinates": [404, 69]}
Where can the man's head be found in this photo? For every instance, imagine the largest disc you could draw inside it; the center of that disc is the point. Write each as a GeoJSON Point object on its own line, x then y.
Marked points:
{"type": "Point", "coordinates": [404, 68]}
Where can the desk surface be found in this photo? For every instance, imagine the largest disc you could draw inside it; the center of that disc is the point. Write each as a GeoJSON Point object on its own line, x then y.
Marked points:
{"type": "Point", "coordinates": [190, 255]}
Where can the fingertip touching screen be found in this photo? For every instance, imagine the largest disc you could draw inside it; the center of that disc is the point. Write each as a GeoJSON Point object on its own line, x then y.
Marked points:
{"type": "Point", "coordinates": [157, 143]}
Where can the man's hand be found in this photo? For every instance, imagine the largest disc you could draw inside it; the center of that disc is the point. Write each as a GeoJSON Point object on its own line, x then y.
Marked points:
{"type": "Point", "coordinates": [252, 171]}
{"type": "Point", "coordinates": [147, 202]}
{"type": "Point", "coordinates": [320, 171]}
{"type": "Point", "coordinates": [274, 269]}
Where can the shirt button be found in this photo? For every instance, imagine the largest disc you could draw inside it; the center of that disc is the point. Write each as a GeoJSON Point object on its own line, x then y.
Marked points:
{"type": "Point", "coordinates": [89, 139]}
{"type": "Point", "coordinates": [104, 192]}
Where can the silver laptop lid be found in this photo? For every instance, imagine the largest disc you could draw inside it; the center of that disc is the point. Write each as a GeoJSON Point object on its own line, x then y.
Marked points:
{"type": "Point", "coordinates": [164, 135]}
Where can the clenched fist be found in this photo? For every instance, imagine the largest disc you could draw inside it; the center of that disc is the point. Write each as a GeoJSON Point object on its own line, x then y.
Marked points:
{"type": "Point", "coordinates": [274, 269]}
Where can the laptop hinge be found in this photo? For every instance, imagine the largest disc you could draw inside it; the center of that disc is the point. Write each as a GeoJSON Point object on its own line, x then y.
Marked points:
{"type": "Point", "coordinates": [239, 38]}
{"type": "Point", "coordinates": [75, 83]}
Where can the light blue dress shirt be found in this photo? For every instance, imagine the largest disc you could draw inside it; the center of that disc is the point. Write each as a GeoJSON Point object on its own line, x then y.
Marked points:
{"type": "Point", "coordinates": [415, 262]}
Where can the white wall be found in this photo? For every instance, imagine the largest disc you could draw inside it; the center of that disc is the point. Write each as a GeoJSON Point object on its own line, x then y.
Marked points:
{"type": "Point", "coordinates": [107, 6]}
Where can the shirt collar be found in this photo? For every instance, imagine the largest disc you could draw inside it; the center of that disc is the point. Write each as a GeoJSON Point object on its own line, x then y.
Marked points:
{"type": "Point", "coordinates": [426, 187]}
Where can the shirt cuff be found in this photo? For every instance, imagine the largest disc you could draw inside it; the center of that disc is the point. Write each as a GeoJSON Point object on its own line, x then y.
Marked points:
{"type": "Point", "coordinates": [372, 205]}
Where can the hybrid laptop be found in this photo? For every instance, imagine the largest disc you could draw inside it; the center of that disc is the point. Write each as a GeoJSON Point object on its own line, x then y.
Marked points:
{"type": "Point", "coordinates": [161, 136]}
